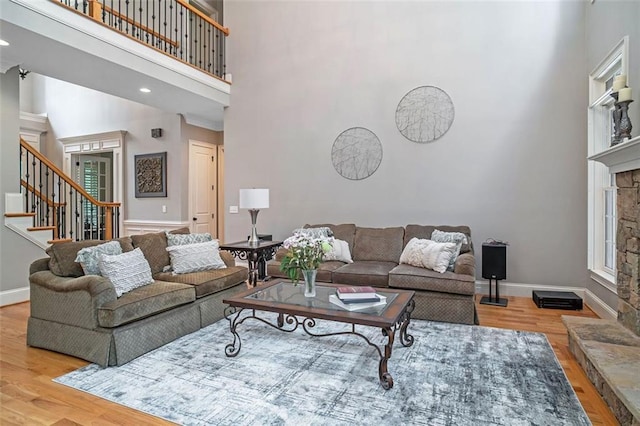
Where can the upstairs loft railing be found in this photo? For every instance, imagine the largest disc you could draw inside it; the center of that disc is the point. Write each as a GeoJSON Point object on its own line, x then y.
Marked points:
{"type": "Point", "coordinates": [174, 27]}
{"type": "Point", "coordinates": [60, 204]}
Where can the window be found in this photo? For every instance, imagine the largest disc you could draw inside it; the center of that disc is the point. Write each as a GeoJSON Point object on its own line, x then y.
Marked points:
{"type": "Point", "coordinates": [601, 185]}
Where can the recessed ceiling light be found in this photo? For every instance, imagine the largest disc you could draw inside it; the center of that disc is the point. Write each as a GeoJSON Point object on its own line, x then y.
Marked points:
{"type": "Point", "coordinates": [145, 90]}
{"type": "Point", "coordinates": [3, 43]}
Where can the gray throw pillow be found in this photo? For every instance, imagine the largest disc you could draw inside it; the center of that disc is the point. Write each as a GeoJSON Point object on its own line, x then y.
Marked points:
{"type": "Point", "coordinates": [182, 239]}
{"type": "Point", "coordinates": [126, 271]}
{"type": "Point", "coordinates": [322, 232]}
{"type": "Point", "coordinates": [89, 257]}
{"type": "Point", "coordinates": [450, 237]}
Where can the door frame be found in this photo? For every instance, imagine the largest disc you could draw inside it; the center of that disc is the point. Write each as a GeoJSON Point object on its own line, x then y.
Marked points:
{"type": "Point", "coordinates": [216, 221]}
{"type": "Point", "coordinates": [95, 143]}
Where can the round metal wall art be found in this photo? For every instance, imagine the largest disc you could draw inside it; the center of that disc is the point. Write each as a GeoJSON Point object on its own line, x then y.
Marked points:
{"type": "Point", "coordinates": [424, 114]}
{"type": "Point", "coordinates": [356, 153]}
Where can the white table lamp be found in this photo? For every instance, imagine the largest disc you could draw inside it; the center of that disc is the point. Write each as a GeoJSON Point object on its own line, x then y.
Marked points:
{"type": "Point", "coordinates": [254, 199]}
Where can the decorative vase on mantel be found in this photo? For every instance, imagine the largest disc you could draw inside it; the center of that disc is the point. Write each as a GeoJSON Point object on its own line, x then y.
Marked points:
{"type": "Point", "coordinates": [309, 282]}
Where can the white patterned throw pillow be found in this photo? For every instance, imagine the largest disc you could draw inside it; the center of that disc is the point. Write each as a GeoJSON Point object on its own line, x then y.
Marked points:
{"type": "Point", "coordinates": [127, 271]}
{"type": "Point", "coordinates": [339, 251]}
{"type": "Point", "coordinates": [321, 232]}
{"type": "Point", "coordinates": [183, 239]}
{"type": "Point", "coordinates": [450, 237]}
{"type": "Point", "coordinates": [195, 257]}
{"type": "Point", "coordinates": [428, 254]}
{"type": "Point", "coordinates": [89, 257]}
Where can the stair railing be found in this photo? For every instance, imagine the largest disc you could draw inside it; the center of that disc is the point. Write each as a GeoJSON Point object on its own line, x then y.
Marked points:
{"type": "Point", "coordinates": [173, 27]}
{"type": "Point", "coordinates": [57, 201]}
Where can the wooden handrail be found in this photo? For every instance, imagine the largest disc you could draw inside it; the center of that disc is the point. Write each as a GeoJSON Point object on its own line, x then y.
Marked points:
{"type": "Point", "coordinates": [40, 195]}
{"type": "Point", "coordinates": [225, 30]}
{"type": "Point", "coordinates": [95, 10]}
{"type": "Point", "coordinates": [69, 181]}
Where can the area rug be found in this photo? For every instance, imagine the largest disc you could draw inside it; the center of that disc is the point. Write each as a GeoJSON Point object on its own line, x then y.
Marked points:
{"type": "Point", "coordinates": [452, 375]}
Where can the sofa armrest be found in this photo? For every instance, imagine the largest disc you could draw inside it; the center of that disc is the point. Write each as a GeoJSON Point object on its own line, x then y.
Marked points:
{"type": "Point", "coordinates": [227, 258]}
{"type": "Point", "coordinates": [280, 253]}
{"type": "Point", "coordinates": [39, 265]}
{"type": "Point", "coordinates": [465, 264]}
{"type": "Point", "coordinates": [66, 300]}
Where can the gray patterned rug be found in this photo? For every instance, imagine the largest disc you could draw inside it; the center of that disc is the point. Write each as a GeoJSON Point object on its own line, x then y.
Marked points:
{"type": "Point", "coordinates": [452, 375]}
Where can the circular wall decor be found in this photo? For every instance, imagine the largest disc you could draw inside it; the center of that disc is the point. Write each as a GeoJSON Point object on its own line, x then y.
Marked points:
{"type": "Point", "coordinates": [424, 114]}
{"type": "Point", "coordinates": [356, 153]}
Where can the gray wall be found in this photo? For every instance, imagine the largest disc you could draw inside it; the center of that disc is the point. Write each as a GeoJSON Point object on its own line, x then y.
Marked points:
{"type": "Point", "coordinates": [607, 22]}
{"type": "Point", "coordinates": [16, 253]}
{"type": "Point", "coordinates": [512, 166]}
{"type": "Point", "coordinates": [74, 111]}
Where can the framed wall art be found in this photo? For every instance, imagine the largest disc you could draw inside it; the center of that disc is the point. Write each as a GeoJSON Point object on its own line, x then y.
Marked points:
{"type": "Point", "coordinates": [151, 175]}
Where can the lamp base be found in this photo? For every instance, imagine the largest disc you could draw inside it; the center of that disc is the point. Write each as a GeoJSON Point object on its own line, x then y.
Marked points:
{"type": "Point", "coordinates": [253, 239]}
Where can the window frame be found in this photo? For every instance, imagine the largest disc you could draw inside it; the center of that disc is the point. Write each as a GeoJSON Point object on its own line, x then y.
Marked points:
{"type": "Point", "coordinates": [600, 181]}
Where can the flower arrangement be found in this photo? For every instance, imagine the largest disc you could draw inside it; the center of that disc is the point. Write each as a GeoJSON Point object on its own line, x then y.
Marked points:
{"type": "Point", "coordinates": [305, 252]}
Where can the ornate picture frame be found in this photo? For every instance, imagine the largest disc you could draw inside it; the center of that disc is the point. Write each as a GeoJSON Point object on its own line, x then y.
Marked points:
{"type": "Point", "coordinates": [150, 175]}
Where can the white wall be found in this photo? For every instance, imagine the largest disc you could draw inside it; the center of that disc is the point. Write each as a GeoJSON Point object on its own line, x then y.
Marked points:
{"type": "Point", "coordinates": [512, 166]}
{"type": "Point", "coordinates": [607, 22]}
{"type": "Point", "coordinates": [16, 253]}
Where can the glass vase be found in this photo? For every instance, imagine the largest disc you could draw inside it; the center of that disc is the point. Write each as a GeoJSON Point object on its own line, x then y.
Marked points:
{"type": "Point", "coordinates": [309, 282]}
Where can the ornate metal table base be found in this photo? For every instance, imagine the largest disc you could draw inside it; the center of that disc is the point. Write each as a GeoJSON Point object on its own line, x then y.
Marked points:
{"type": "Point", "coordinates": [289, 323]}
{"type": "Point", "coordinates": [256, 256]}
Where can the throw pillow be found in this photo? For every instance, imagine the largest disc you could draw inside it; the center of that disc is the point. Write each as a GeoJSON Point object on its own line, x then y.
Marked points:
{"type": "Point", "coordinates": [323, 232]}
{"type": "Point", "coordinates": [450, 237]}
{"type": "Point", "coordinates": [182, 239]}
{"type": "Point", "coordinates": [127, 271]}
{"type": "Point", "coordinates": [339, 251]}
{"type": "Point", "coordinates": [428, 254]}
{"type": "Point", "coordinates": [195, 257]}
{"type": "Point", "coordinates": [89, 257]}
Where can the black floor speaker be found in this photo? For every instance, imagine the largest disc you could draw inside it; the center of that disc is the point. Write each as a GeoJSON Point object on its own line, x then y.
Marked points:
{"type": "Point", "coordinates": [494, 268]}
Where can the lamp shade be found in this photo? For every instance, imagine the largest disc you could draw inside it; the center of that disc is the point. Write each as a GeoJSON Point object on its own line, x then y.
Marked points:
{"type": "Point", "coordinates": [254, 198]}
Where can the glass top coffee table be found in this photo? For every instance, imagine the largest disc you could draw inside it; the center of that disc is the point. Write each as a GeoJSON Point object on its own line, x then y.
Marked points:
{"type": "Point", "coordinates": [295, 310]}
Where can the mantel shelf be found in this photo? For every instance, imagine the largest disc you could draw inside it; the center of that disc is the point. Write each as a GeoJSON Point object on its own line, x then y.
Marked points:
{"type": "Point", "coordinates": [622, 157]}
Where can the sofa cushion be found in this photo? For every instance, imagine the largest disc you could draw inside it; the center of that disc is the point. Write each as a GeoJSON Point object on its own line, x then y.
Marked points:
{"type": "Point", "coordinates": [143, 302]}
{"type": "Point", "coordinates": [414, 278]}
{"type": "Point", "coordinates": [380, 244]}
{"type": "Point", "coordinates": [373, 273]}
{"type": "Point", "coordinates": [208, 282]}
{"type": "Point", "coordinates": [126, 271]}
{"type": "Point", "coordinates": [425, 231]}
{"type": "Point", "coordinates": [344, 232]}
{"type": "Point", "coordinates": [62, 256]}
{"type": "Point", "coordinates": [428, 254]}
{"type": "Point", "coordinates": [195, 257]}
{"type": "Point", "coordinates": [154, 248]}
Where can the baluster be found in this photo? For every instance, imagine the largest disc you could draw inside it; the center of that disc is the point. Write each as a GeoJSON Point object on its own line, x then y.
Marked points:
{"type": "Point", "coordinates": [181, 33]}
{"type": "Point", "coordinates": [215, 59]}
{"type": "Point", "coordinates": [127, 17]}
{"type": "Point", "coordinates": [41, 209]}
{"type": "Point", "coordinates": [153, 23]}
{"type": "Point", "coordinates": [208, 53]}
{"type": "Point", "coordinates": [47, 196]}
{"type": "Point", "coordinates": [171, 32]}
{"type": "Point", "coordinates": [33, 185]}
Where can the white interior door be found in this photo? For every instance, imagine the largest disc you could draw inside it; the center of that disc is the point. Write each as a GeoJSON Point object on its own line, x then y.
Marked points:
{"type": "Point", "coordinates": [203, 187]}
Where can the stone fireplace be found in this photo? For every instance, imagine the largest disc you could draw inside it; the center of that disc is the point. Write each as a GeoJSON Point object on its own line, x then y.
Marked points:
{"type": "Point", "coordinates": [628, 249]}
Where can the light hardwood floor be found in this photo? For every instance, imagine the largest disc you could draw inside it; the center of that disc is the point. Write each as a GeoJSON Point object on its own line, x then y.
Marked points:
{"type": "Point", "coordinates": [28, 396]}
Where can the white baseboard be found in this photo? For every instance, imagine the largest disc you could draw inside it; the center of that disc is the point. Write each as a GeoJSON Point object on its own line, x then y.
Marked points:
{"type": "Point", "coordinates": [134, 227]}
{"type": "Point", "coordinates": [524, 290]}
{"type": "Point", "coordinates": [18, 295]}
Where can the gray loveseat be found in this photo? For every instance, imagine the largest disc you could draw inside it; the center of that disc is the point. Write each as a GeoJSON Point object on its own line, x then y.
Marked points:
{"type": "Point", "coordinates": [448, 296]}
{"type": "Point", "coordinates": [80, 315]}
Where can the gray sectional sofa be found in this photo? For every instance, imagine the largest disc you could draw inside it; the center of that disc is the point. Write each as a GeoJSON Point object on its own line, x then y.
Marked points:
{"type": "Point", "coordinates": [80, 315]}
{"type": "Point", "coordinates": [448, 296]}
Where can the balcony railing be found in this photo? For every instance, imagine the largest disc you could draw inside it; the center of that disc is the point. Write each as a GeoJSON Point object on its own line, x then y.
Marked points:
{"type": "Point", "coordinates": [172, 27]}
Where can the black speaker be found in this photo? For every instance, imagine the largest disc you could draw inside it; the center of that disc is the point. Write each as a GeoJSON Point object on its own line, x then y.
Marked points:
{"type": "Point", "coordinates": [494, 261]}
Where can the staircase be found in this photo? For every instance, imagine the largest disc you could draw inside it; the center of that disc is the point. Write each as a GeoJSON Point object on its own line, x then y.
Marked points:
{"type": "Point", "coordinates": [52, 208]}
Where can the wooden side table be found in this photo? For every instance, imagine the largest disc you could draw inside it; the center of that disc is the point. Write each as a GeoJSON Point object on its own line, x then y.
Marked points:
{"type": "Point", "coordinates": [256, 256]}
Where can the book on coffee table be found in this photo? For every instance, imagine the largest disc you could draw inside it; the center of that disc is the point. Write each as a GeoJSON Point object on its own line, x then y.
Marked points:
{"type": "Point", "coordinates": [382, 300]}
{"type": "Point", "coordinates": [356, 292]}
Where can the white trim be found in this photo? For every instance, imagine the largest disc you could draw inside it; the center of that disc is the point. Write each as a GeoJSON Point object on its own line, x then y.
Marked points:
{"type": "Point", "coordinates": [622, 157]}
{"type": "Point", "coordinates": [17, 295]}
{"type": "Point", "coordinates": [135, 227]}
{"type": "Point", "coordinates": [605, 279]}
{"type": "Point", "coordinates": [36, 118]}
{"type": "Point", "coordinates": [596, 304]}
{"type": "Point", "coordinates": [524, 290]}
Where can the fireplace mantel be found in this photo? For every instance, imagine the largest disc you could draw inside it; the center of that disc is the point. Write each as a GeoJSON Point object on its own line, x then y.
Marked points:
{"type": "Point", "coordinates": [622, 157]}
